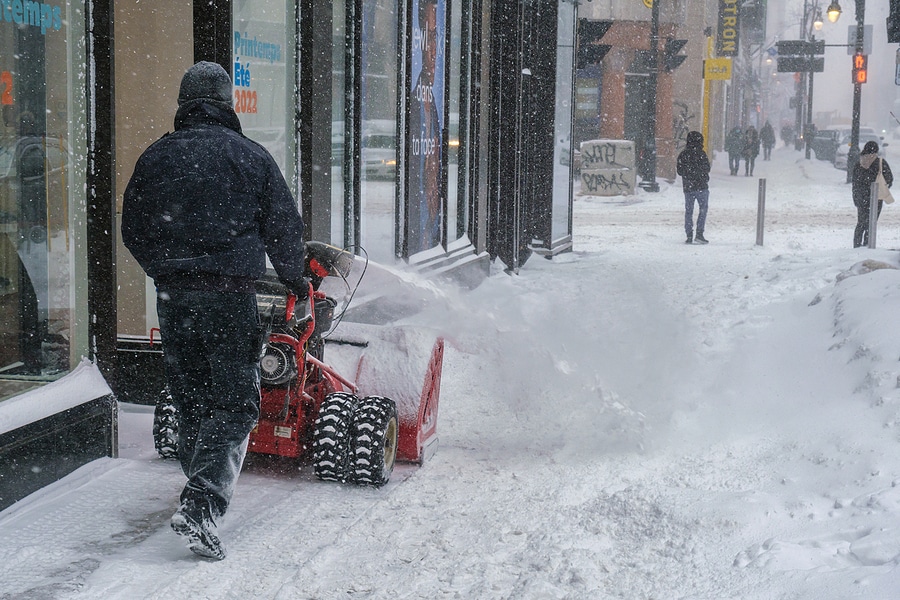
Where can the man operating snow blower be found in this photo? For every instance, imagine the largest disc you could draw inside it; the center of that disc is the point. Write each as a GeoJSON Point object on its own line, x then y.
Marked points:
{"type": "Point", "coordinates": [204, 207]}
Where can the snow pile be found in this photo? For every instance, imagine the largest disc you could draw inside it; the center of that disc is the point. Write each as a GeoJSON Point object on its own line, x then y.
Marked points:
{"type": "Point", "coordinates": [637, 419]}
{"type": "Point", "coordinates": [83, 384]}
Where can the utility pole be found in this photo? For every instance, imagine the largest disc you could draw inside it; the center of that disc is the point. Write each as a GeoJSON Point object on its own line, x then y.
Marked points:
{"type": "Point", "coordinates": [853, 155]}
{"type": "Point", "coordinates": [809, 101]}
{"type": "Point", "coordinates": [649, 182]}
{"type": "Point", "coordinates": [801, 88]}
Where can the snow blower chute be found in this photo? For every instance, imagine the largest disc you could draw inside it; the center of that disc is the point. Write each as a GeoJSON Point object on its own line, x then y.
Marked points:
{"type": "Point", "coordinates": [373, 401]}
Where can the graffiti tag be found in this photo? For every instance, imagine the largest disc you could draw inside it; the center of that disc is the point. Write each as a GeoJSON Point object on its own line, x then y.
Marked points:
{"type": "Point", "coordinates": [609, 184]}
{"type": "Point", "coordinates": [607, 155]}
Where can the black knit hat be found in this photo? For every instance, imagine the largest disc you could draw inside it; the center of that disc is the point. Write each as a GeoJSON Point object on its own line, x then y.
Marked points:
{"type": "Point", "coordinates": [870, 148]}
{"type": "Point", "coordinates": [205, 80]}
{"type": "Point", "coordinates": [694, 138]}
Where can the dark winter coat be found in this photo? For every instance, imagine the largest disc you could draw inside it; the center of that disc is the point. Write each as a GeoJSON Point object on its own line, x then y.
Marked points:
{"type": "Point", "coordinates": [864, 174]}
{"type": "Point", "coordinates": [751, 143]}
{"type": "Point", "coordinates": [693, 166]}
{"type": "Point", "coordinates": [734, 141]}
{"type": "Point", "coordinates": [767, 135]}
{"type": "Point", "coordinates": [206, 204]}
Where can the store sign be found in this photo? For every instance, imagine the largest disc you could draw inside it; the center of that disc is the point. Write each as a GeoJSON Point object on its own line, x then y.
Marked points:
{"type": "Point", "coordinates": [897, 68]}
{"type": "Point", "coordinates": [728, 28]}
{"type": "Point", "coordinates": [717, 69]}
{"type": "Point", "coordinates": [31, 14]}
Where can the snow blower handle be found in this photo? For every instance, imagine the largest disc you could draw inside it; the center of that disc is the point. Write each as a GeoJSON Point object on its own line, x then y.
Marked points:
{"type": "Point", "coordinates": [289, 309]}
{"type": "Point", "coordinates": [292, 303]}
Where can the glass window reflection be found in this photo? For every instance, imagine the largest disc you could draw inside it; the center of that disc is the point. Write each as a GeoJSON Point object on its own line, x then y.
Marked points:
{"type": "Point", "coordinates": [35, 279]}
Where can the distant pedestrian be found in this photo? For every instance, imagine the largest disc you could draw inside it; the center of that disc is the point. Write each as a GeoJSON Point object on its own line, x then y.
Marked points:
{"type": "Point", "coordinates": [864, 173]}
{"type": "Point", "coordinates": [693, 166]}
{"type": "Point", "coordinates": [734, 146]}
{"type": "Point", "coordinates": [751, 149]}
{"type": "Point", "coordinates": [767, 138]}
{"type": "Point", "coordinates": [787, 135]}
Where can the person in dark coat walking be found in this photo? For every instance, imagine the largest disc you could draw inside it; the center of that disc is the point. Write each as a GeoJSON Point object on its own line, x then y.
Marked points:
{"type": "Point", "coordinates": [734, 146]}
{"type": "Point", "coordinates": [767, 138]}
{"type": "Point", "coordinates": [203, 208]}
{"type": "Point", "coordinates": [751, 149]}
{"type": "Point", "coordinates": [864, 174]}
{"type": "Point", "coordinates": [693, 166]}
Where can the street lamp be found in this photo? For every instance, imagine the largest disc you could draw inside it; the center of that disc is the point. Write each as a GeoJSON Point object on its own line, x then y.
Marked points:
{"type": "Point", "coordinates": [817, 20]}
{"type": "Point", "coordinates": [813, 11]}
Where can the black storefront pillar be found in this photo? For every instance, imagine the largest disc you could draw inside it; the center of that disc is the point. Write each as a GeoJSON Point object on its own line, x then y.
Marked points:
{"type": "Point", "coordinates": [523, 102]}
{"type": "Point", "coordinates": [101, 242]}
{"type": "Point", "coordinates": [212, 32]}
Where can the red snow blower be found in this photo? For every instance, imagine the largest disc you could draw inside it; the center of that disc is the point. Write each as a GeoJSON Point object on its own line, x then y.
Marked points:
{"type": "Point", "coordinates": [354, 415]}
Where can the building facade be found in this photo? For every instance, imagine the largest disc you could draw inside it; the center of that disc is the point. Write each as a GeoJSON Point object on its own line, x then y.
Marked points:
{"type": "Point", "coordinates": [430, 135]}
{"type": "Point", "coordinates": [614, 95]}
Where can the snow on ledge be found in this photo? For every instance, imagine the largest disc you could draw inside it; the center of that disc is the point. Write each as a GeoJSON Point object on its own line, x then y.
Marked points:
{"type": "Point", "coordinates": [83, 384]}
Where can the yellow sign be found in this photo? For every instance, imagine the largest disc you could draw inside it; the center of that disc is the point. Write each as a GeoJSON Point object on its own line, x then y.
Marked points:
{"type": "Point", "coordinates": [717, 68]}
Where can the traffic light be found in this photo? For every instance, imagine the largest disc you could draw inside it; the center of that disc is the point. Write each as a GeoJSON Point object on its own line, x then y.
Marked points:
{"type": "Point", "coordinates": [672, 59]}
{"type": "Point", "coordinates": [860, 71]}
{"type": "Point", "coordinates": [589, 51]}
{"type": "Point", "coordinates": [893, 23]}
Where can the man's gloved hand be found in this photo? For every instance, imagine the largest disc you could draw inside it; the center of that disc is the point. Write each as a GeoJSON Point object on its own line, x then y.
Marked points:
{"type": "Point", "coordinates": [299, 288]}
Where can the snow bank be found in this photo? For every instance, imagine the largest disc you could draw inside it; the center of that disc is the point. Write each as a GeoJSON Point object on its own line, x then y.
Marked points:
{"type": "Point", "coordinates": [83, 384]}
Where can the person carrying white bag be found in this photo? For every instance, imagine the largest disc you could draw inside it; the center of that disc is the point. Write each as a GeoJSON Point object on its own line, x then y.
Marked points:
{"type": "Point", "coordinates": [868, 170]}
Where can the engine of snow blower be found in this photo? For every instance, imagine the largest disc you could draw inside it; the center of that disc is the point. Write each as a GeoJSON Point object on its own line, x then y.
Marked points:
{"type": "Point", "coordinates": [309, 407]}
{"type": "Point", "coordinates": [292, 376]}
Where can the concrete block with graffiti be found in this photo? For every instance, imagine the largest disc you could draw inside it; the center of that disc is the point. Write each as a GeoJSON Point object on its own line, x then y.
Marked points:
{"type": "Point", "coordinates": [608, 168]}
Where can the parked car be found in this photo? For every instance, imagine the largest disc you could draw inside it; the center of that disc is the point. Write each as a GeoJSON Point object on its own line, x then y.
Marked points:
{"type": "Point", "coordinates": [825, 143]}
{"type": "Point", "coordinates": [379, 155]}
{"type": "Point", "coordinates": [843, 151]}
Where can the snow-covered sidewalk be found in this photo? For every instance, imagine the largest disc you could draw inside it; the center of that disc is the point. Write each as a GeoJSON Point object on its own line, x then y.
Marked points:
{"type": "Point", "coordinates": [636, 419]}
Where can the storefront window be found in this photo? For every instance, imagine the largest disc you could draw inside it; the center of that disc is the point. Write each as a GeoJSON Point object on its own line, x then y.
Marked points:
{"type": "Point", "coordinates": [378, 135]}
{"type": "Point", "coordinates": [40, 46]}
{"type": "Point", "coordinates": [338, 131]}
{"type": "Point", "coordinates": [147, 79]}
{"type": "Point", "coordinates": [263, 80]}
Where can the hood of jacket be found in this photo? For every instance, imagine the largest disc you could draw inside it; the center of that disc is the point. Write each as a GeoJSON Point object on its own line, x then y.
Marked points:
{"type": "Point", "coordinates": [694, 138]}
{"type": "Point", "coordinates": [205, 111]}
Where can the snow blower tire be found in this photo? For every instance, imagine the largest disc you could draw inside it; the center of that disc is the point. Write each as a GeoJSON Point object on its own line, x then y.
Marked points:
{"type": "Point", "coordinates": [375, 436]}
{"type": "Point", "coordinates": [332, 441]}
{"type": "Point", "coordinates": [165, 426]}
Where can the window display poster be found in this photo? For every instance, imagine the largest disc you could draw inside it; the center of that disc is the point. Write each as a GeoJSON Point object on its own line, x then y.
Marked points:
{"type": "Point", "coordinates": [260, 70]}
{"type": "Point", "coordinates": [426, 125]}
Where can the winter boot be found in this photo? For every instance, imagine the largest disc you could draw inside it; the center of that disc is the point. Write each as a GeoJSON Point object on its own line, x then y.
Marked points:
{"type": "Point", "coordinates": [199, 531]}
{"type": "Point", "coordinates": [689, 240]}
{"type": "Point", "coordinates": [700, 239]}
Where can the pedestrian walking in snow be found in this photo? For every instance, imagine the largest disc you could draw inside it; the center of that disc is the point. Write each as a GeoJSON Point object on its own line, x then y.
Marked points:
{"type": "Point", "coordinates": [734, 146]}
{"type": "Point", "coordinates": [751, 149]}
{"type": "Point", "coordinates": [767, 138]}
{"type": "Point", "coordinates": [693, 166]}
{"type": "Point", "coordinates": [864, 173]}
{"type": "Point", "coordinates": [203, 208]}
